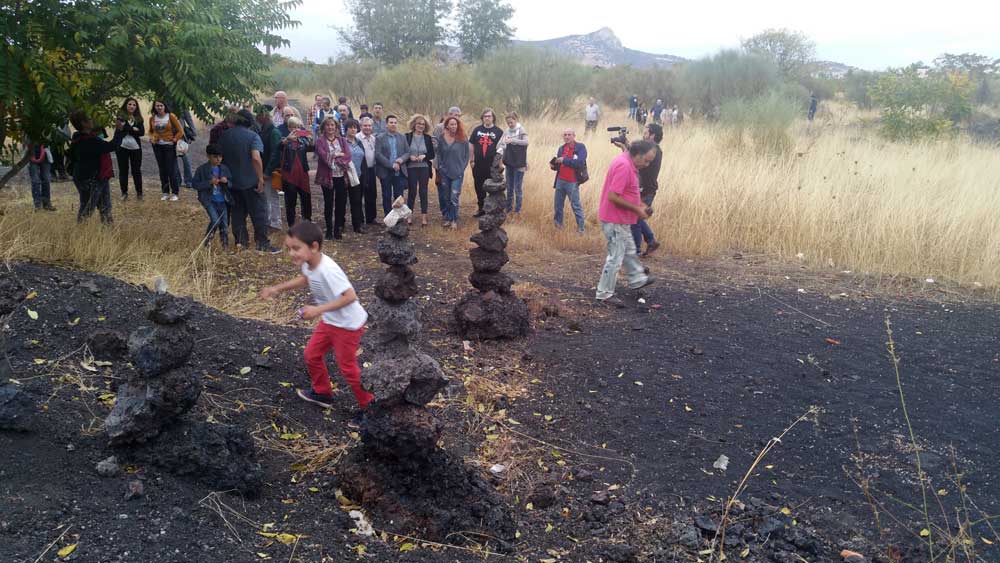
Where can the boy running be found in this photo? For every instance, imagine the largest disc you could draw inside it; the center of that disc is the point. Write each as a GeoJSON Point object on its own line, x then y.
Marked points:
{"type": "Point", "coordinates": [341, 317]}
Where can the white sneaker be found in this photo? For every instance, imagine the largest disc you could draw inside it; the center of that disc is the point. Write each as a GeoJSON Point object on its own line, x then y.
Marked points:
{"type": "Point", "coordinates": [165, 197]}
{"type": "Point", "coordinates": [174, 198]}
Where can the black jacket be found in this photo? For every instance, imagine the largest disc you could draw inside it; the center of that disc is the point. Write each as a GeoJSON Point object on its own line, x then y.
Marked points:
{"type": "Point", "coordinates": [428, 142]}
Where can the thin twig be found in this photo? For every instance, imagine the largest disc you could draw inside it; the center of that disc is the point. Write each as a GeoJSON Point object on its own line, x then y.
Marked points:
{"type": "Point", "coordinates": [797, 310]}
{"type": "Point", "coordinates": [891, 345]}
{"type": "Point", "coordinates": [55, 541]}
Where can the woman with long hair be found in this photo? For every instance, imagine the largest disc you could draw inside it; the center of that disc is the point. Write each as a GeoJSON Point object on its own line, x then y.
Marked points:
{"type": "Point", "coordinates": [418, 164]}
{"type": "Point", "coordinates": [514, 146]}
{"type": "Point", "coordinates": [165, 131]}
{"type": "Point", "coordinates": [355, 193]}
{"type": "Point", "coordinates": [295, 170]}
{"type": "Point", "coordinates": [129, 153]}
{"type": "Point", "coordinates": [331, 175]}
{"type": "Point", "coordinates": [452, 157]}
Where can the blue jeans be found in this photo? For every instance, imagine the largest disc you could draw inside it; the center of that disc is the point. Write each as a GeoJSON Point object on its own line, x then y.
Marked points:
{"type": "Point", "coordinates": [41, 186]}
{"type": "Point", "coordinates": [186, 164]}
{"type": "Point", "coordinates": [515, 181]}
{"type": "Point", "coordinates": [218, 220]}
{"type": "Point", "coordinates": [393, 186]}
{"type": "Point", "coordinates": [571, 190]}
{"type": "Point", "coordinates": [453, 189]}
{"type": "Point", "coordinates": [641, 230]}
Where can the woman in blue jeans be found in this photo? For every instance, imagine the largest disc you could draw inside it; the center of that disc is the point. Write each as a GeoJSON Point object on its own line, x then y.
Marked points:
{"type": "Point", "coordinates": [452, 158]}
{"type": "Point", "coordinates": [514, 146]}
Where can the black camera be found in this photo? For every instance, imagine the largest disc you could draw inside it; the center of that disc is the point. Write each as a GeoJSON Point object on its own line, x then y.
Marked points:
{"type": "Point", "coordinates": [622, 138]}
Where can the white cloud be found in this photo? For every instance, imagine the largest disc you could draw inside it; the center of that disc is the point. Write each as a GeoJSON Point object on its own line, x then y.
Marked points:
{"type": "Point", "coordinates": [861, 33]}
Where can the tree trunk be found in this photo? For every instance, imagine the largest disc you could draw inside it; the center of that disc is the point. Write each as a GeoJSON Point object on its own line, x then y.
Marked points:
{"type": "Point", "coordinates": [13, 171]}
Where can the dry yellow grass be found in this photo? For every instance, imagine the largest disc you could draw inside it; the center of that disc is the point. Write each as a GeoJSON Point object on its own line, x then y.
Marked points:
{"type": "Point", "coordinates": [846, 200]}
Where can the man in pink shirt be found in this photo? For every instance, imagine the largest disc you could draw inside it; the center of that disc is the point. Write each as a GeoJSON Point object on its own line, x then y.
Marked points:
{"type": "Point", "coordinates": [620, 208]}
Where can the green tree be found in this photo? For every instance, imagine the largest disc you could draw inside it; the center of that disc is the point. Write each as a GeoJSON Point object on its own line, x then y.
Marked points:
{"type": "Point", "coordinates": [980, 69]}
{"type": "Point", "coordinates": [483, 27]}
{"type": "Point", "coordinates": [392, 31]}
{"type": "Point", "coordinates": [428, 87]}
{"type": "Point", "coordinates": [791, 51]}
{"type": "Point", "coordinates": [88, 54]}
{"type": "Point", "coordinates": [531, 80]}
{"type": "Point", "coordinates": [707, 83]}
{"type": "Point", "coordinates": [857, 87]}
{"type": "Point", "coordinates": [916, 106]}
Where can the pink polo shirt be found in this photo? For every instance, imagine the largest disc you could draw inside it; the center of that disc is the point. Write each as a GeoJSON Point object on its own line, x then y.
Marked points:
{"type": "Point", "coordinates": [623, 179]}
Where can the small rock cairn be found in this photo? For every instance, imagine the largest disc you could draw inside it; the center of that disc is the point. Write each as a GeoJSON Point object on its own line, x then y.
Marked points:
{"type": "Point", "coordinates": [493, 311]}
{"type": "Point", "coordinates": [146, 422]}
{"type": "Point", "coordinates": [399, 472]}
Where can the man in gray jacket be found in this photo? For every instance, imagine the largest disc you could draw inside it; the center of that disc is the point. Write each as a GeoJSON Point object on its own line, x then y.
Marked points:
{"type": "Point", "coordinates": [390, 155]}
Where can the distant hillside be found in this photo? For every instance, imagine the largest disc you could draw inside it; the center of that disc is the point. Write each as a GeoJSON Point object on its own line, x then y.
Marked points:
{"type": "Point", "coordinates": [602, 48]}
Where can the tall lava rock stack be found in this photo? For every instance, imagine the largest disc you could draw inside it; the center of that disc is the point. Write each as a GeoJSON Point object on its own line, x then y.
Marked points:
{"type": "Point", "coordinates": [398, 472]}
{"type": "Point", "coordinates": [147, 423]}
{"type": "Point", "coordinates": [493, 311]}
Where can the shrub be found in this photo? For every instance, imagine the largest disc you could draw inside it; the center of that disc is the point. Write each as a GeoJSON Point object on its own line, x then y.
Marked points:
{"type": "Point", "coordinates": [764, 121]}
{"type": "Point", "coordinates": [707, 83]}
{"type": "Point", "coordinates": [614, 86]}
{"type": "Point", "coordinates": [857, 87]}
{"type": "Point", "coordinates": [424, 86]}
{"type": "Point", "coordinates": [532, 81]}
{"type": "Point", "coordinates": [915, 106]}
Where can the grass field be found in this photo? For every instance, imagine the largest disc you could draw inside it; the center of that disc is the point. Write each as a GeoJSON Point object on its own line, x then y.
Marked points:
{"type": "Point", "coordinates": [843, 200]}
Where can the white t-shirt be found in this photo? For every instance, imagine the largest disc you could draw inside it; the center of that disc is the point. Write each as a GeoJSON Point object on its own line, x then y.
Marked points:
{"type": "Point", "coordinates": [327, 283]}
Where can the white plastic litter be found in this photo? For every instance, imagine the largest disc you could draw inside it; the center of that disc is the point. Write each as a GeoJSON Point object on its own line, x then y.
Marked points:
{"type": "Point", "coordinates": [721, 463]}
{"type": "Point", "coordinates": [362, 526]}
{"type": "Point", "coordinates": [399, 211]}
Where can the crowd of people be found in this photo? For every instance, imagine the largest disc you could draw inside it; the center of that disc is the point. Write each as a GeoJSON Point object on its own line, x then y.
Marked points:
{"type": "Point", "coordinates": [259, 157]}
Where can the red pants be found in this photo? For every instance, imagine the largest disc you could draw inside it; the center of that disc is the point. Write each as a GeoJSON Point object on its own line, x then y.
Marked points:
{"type": "Point", "coordinates": [345, 349]}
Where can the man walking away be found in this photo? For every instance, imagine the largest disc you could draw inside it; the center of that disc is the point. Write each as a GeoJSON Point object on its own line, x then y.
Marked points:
{"type": "Point", "coordinates": [591, 114]}
{"type": "Point", "coordinates": [619, 209]}
{"type": "Point", "coordinates": [241, 152]}
{"type": "Point", "coordinates": [813, 104]}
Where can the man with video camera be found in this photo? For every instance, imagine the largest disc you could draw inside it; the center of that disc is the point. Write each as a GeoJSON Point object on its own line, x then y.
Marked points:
{"type": "Point", "coordinates": [648, 183]}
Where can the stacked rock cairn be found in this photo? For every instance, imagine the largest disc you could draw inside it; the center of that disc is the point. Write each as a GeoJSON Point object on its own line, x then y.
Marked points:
{"type": "Point", "coordinates": [493, 311]}
{"type": "Point", "coordinates": [146, 422]}
{"type": "Point", "coordinates": [400, 472]}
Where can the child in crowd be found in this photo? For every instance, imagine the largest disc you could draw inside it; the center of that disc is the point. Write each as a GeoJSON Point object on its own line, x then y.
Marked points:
{"type": "Point", "coordinates": [40, 171]}
{"type": "Point", "coordinates": [341, 317]}
{"type": "Point", "coordinates": [212, 182]}
{"type": "Point", "coordinates": [92, 169]}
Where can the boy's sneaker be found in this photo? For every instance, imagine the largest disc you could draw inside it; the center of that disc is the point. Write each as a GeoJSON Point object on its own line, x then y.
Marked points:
{"type": "Point", "coordinates": [164, 197]}
{"type": "Point", "coordinates": [174, 197]}
{"type": "Point", "coordinates": [325, 401]}
{"type": "Point", "coordinates": [356, 420]}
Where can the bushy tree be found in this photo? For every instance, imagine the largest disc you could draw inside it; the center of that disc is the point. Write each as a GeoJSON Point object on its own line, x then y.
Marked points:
{"type": "Point", "coordinates": [532, 80]}
{"type": "Point", "coordinates": [392, 31]}
{"type": "Point", "coordinates": [706, 83]}
{"type": "Point", "coordinates": [617, 84]}
{"type": "Point", "coordinates": [59, 56]}
{"type": "Point", "coordinates": [916, 106]}
{"type": "Point", "coordinates": [483, 27]}
{"type": "Point", "coordinates": [428, 87]}
{"type": "Point", "coordinates": [762, 121]}
{"type": "Point", "coordinates": [858, 85]}
{"type": "Point", "coordinates": [790, 51]}
{"type": "Point", "coordinates": [979, 68]}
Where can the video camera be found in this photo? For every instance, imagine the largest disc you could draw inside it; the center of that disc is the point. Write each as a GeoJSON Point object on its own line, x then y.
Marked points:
{"type": "Point", "coordinates": [622, 138]}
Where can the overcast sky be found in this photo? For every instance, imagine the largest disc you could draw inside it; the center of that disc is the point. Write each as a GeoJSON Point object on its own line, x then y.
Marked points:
{"type": "Point", "coordinates": [869, 34]}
